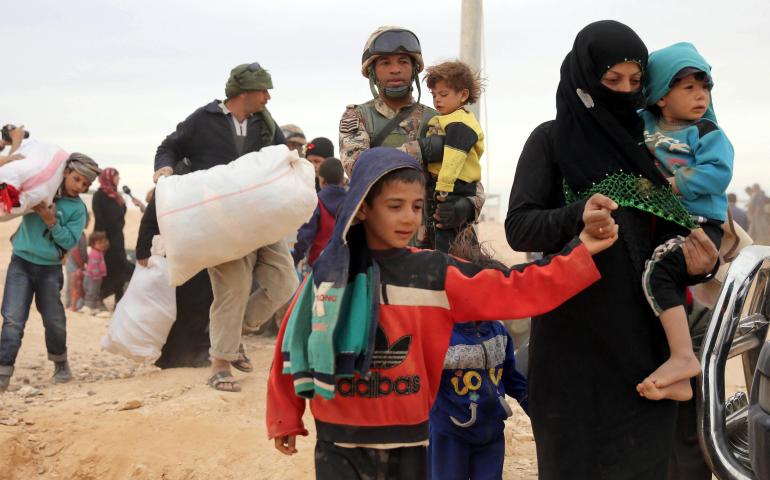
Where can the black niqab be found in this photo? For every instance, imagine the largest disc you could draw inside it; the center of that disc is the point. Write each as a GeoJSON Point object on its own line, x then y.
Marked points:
{"type": "Point", "coordinates": [598, 131]}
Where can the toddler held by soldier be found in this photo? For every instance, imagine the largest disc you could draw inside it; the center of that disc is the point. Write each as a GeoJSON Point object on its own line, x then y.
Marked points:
{"type": "Point", "coordinates": [453, 85]}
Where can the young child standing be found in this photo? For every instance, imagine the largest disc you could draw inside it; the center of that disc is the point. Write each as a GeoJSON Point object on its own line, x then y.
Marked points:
{"type": "Point", "coordinates": [467, 419]}
{"type": "Point", "coordinates": [318, 230]}
{"type": "Point", "coordinates": [74, 268]}
{"type": "Point", "coordinates": [39, 246]}
{"type": "Point", "coordinates": [697, 158]}
{"type": "Point", "coordinates": [95, 271]}
{"type": "Point", "coordinates": [453, 86]}
{"type": "Point", "coordinates": [370, 327]}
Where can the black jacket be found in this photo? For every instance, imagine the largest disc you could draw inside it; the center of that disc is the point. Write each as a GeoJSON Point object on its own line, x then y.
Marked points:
{"type": "Point", "coordinates": [206, 138]}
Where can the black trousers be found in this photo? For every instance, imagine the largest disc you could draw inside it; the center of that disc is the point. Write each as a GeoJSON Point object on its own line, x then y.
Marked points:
{"type": "Point", "coordinates": [665, 275]}
{"type": "Point", "coordinates": [340, 463]}
{"type": "Point", "coordinates": [441, 239]}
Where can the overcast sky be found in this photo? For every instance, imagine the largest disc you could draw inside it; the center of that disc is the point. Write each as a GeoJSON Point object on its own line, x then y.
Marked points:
{"type": "Point", "coordinates": [112, 79]}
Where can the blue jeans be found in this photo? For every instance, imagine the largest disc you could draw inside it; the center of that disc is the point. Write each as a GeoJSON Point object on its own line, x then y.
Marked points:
{"type": "Point", "coordinates": [25, 279]}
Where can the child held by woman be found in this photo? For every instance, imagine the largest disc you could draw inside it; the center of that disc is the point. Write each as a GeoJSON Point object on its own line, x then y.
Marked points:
{"type": "Point", "coordinates": [697, 158]}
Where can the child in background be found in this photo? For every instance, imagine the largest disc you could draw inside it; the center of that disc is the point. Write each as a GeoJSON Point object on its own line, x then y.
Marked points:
{"type": "Point", "coordinates": [468, 418]}
{"type": "Point", "coordinates": [370, 327]}
{"type": "Point", "coordinates": [39, 246]}
{"type": "Point", "coordinates": [697, 158]}
{"type": "Point", "coordinates": [74, 268]}
{"type": "Point", "coordinates": [95, 271]}
{"type": "Point", "coordinates": [318, 230]}
{"type": "Point", "coordinates": [453, 86]}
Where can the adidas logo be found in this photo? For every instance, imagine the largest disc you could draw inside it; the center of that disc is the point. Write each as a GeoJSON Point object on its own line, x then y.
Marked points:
{"type": "Point", "coordinates": [386, 355]}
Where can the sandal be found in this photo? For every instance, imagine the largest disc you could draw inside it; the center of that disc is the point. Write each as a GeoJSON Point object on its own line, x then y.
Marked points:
{"type": "Point", "coordinates": [221, 377]}
{"type": "Point", "coordinates": [240, 362]}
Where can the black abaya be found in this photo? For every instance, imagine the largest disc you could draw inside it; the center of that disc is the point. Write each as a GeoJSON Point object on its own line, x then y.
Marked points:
{"type": "Point", "coordinates": [188, 342]}
{"type": "Point", "coordinates": [110, 217]}
{"type": "Point", "coordinates": [587, 356]}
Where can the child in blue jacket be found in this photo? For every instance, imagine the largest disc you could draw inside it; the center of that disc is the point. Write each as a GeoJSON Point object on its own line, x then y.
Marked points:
{"type": "Point", "coordinates": [696, 157]}
{"type": "Point", "coordinates": [467, 418]}
{"type": "Point", "coordinates": [46, 234]}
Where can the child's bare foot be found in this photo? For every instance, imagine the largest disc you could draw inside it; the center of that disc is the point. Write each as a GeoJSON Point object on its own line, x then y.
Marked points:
{"type": "Point", "coordinates": [675, 369]}
{"type": "Point", "coordinates": [680, 391]}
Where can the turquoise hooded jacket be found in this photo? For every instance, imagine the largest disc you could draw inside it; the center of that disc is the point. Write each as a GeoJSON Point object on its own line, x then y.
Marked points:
{"type": "Point", "coordinates": [698, 155]}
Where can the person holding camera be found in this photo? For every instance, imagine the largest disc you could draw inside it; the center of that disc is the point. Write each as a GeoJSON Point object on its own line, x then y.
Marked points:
{"type": "Point", "coordinates": [12, 136]}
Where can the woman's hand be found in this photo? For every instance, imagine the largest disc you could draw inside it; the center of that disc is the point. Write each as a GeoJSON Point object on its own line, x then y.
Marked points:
{"type": "Point", "coordinates": [48, 215]}
{"type": "Point", "coordinates": [700, 253]}
{"type": "Point", "coordinates": [597, 219]}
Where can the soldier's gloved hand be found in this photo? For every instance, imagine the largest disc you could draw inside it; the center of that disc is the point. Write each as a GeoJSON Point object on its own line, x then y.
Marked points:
{"type": "Point", "coordinates": [452, 212]}
{"type": "Point", "coordinates": [432, 148]}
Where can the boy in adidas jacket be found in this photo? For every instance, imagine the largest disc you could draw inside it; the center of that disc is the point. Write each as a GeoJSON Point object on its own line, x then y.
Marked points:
{"type": "Point", "coordinates": [370, 327]}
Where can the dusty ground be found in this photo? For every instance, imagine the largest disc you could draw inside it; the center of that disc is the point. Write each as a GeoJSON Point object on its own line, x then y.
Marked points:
{"type": "Point", "coordinates": [182, 430]}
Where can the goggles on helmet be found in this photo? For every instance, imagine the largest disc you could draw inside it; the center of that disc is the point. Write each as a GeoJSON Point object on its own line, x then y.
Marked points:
{"type": "Point", "coordinates": [251, 68]}
{"type": "Point", "coordinates": [390, 41]}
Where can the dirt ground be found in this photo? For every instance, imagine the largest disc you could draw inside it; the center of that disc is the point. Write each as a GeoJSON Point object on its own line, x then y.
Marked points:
{"type": "Point", "coordinates": [182, 429]}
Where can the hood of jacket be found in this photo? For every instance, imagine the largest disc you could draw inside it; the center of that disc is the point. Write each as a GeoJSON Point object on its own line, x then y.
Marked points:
{"type": "Point", "coordinates": [332, 196]}
{"type": "Point", "coordinates": [667, 62]}
{"type": "Point", "coordinates": [348, 238]}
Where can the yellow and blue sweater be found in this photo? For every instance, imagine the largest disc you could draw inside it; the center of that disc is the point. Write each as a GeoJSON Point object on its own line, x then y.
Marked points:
{"type": "Point", "coordinates": [462, 150]}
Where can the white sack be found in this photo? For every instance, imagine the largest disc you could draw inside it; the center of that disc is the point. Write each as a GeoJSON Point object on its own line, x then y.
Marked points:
{"type": "Point", "coordinates": [37, 177]}
{"type": "Point", "coordinates": [144, 316]}
{"type": "Point", "coordinates": [221, 214]}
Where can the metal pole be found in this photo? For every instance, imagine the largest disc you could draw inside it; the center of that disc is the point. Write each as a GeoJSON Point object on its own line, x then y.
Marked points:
{"type": "Point", "coordinates": [470, 38]}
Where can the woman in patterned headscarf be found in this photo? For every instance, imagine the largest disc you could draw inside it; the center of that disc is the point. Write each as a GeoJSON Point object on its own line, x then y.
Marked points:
{"type": "Point", "coordinates": [109, 216]}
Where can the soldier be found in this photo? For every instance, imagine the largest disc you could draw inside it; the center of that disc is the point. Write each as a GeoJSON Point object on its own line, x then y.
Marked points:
{"type": "Point", "coordinates": [392, 60]}
{"type": "Point", "coordinates": [295, 138]}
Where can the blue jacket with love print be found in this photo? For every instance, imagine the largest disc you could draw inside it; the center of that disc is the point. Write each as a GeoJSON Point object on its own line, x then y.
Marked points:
{"type": "Point", "coordinates": [479, 371]}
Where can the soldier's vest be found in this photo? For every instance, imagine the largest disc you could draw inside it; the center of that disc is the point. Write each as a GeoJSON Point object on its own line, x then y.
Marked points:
{"type": "Point", "coordinates": [375, 122]}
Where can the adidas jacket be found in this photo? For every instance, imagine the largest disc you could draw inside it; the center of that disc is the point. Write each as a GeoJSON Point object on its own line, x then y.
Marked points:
{"type": "Point", "coordinates": [410, 300]}
{"type": "Point", "coordinates": [422, 294]}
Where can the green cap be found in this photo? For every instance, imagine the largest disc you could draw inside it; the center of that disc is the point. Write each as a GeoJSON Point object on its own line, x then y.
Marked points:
{"type": "Point", "coordinates": [247, 78]}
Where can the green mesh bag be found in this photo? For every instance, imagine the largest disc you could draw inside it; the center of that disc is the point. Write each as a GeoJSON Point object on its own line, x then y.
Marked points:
{"type": "Point", "coordinates": [628, 190]}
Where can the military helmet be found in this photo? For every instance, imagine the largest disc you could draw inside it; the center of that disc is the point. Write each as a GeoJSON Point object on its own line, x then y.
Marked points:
{"type": "Point", "coordinates": [293, 134]}
{"type": "Point", "coordinates": [387, 41]}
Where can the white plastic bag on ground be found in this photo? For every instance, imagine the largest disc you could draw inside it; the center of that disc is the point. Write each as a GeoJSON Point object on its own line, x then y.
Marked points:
{"type": "Point", "coordinates": [221, 214]}
{"type": "Point", "coordinates": [37, 176]}
{"type": "Point", "coordinates": [144, 316]}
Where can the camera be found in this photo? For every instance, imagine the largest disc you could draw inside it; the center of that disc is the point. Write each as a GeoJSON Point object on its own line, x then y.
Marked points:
{"type": "Point", "coordinates": [6, 132]}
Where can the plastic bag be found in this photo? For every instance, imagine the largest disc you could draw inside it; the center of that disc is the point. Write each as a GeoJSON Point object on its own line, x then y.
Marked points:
{"type": "Point", "coordinates": [214, 216]}
{"type": "Point", "coordinates": [144, 316]}
{"type": "Point", "coordinates": [37, 177]}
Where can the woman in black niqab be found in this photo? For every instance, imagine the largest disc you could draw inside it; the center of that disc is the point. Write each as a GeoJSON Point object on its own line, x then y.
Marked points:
{"type": "Point", "coordinates": [587, 356]}
{"type": "Point", "coordinates": [598, 131]}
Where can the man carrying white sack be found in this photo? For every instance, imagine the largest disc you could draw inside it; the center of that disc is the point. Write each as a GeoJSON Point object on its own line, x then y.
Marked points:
{"type": "Point", "coordinates": [215, 135]}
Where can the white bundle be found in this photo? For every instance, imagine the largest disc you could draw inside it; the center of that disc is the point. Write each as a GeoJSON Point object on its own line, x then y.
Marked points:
{"type": "Point", "coordinates": [37, 177]}
{"type": "Point", "coordinates": [144, 316]}
{"type": "Point", "coordinates": [221, 214]}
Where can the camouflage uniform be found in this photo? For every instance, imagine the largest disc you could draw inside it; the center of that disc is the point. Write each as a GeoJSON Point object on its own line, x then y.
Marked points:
{"type": "Point", "coordinates": [354, 137]}
{"type": "Point", "coordinates": [295, 135]}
